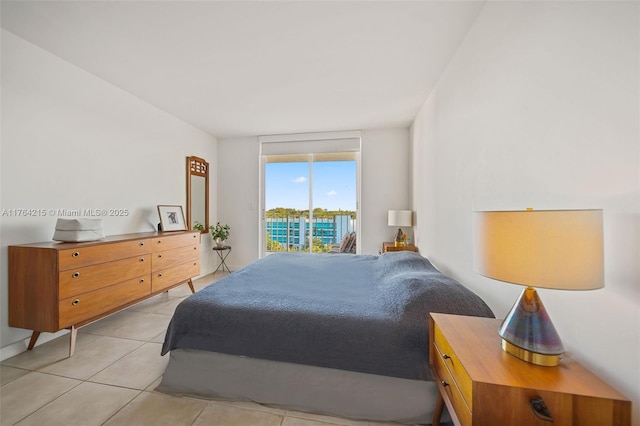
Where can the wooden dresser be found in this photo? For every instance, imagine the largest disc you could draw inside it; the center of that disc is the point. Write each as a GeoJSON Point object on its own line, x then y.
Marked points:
{"type": "Point", "coordinates": [53, 286]}
{"type": "Point", "coordinates": [483, 385]}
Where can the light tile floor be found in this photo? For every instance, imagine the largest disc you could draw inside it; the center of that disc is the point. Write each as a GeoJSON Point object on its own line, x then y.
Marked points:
{"type": "Point", "coordinates": [110, 380]}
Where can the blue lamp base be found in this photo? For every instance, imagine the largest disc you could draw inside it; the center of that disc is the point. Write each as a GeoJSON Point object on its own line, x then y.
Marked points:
{"type": "Point", "coordinates": [528, 333]}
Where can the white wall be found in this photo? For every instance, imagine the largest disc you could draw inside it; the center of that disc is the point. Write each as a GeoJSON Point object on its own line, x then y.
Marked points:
{"type": "Point", "coordinates": [539, 108]}
{"type": "Point", "coordinates": [238, 202]}
{"type": "Point", "coordinates": [72, 141]}
{"type": "Point", "coordinates": [385, 185]}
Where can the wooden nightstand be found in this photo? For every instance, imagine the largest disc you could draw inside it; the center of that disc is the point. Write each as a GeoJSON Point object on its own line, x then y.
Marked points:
{"type": "Point", "coordinates": [483, 385]}
{"type": "Point", "coordinates": [391, 247]}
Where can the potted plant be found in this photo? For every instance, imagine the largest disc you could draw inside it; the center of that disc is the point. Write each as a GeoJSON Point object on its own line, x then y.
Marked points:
{"type": "Point", "coordinates": [220, 233]}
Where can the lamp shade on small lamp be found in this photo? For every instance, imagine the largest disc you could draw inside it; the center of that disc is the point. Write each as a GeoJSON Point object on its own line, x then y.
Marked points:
{"type": "Point", "coordinates": [556, 249]}
{"type": "Point", "coordinates": [400, 217]}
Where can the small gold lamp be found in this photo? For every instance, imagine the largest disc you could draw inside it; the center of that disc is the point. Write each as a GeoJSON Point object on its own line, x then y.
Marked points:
{"type": "Point", "coordinates": [399, 218]}
{"type": "Point", "coordinates": [557, 249]}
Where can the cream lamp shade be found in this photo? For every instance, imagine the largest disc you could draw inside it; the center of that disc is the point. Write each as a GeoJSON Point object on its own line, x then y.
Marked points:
{"type": "Point", "coordinates": [560, 249]}
{"type": "Point", "coordinates": [556, 249]}
{"type": "Point", "coordinates": [400, 217]}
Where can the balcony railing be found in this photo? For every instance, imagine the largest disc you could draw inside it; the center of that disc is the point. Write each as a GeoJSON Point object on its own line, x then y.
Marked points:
{"type": "Point", "coordinates": [284, 234]}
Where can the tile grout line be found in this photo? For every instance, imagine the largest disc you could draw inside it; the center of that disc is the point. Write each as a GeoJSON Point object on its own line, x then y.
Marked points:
{"type": "Point", "coordinates": [198, 416]}
{"type": "Point", "coordinates": [81, 381]}
{"type": "Point", "coordinates": [119, 359]}
{"type": "Point", "coordinates": [54, 399]}
{"type": "Point", "coordinates": [122, 408]}
{"type": "Point", "coordinates": [17, 368]}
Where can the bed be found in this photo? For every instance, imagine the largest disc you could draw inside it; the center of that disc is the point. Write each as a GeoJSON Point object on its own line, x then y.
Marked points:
{"type": "Point", "coordinates": [339, 335]}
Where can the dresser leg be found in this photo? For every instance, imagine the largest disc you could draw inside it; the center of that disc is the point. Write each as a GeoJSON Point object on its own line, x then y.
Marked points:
{"type": "Point", "coordinates": [72, 340]}
{"type": "Point", "coordinates": [193, 290]}
{"type": "Point", "coordinates": [34, 339]}
{"type": "Point", "coordinates": [437, 413]}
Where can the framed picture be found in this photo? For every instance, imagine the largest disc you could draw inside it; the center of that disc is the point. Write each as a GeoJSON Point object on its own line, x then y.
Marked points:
{"type": "Point", "coordinates": [172, 218]}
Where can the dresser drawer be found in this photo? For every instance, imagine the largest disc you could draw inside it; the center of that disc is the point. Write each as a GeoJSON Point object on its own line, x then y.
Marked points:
{"type": "Point", "coordinates": [82, 280]}
{"type": "Point", "coordinates": [101, 253]}
{"type": "Point", "coordinates": [169, 258]}
{"type": "Point", "coordinates": [170, 242]}
{"type": "Point", "coordinates": [75, 310]}
{"type": "Point", "coordinates": [450, 359]}
{"type": "Point", "coordinates": [443, 374]}
{"type": "Point", "coordinates": [177, 274]}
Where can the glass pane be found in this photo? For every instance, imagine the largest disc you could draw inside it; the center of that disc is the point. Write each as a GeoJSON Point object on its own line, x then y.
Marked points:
{"type": "Point", "coordinates": [198, 203]}
{"type": "Point", "coordinates": [287, 218]}
{"type": "Point", "coordinates": [334, 202]}
{"type": "Point", "coordinates": [286, 204]}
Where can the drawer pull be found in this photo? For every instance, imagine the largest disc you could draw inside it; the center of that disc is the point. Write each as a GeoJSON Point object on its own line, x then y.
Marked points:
{"type": "Point", "coordinates": [141, 244]}
{"type": "Point", "coordinates": [443, 383]}
{"type": "Point", "coordinates": [540, 410]}
{"type": "Point", "coordinates": [159, 241]}
{"type": "Point", "coordinates": [159, 256]}
{"type": "Point", "coordinates": [159, 275]}
{"type": "Point", "coordinates": [75, 302]}
{"type": "Point", "coordinates": [445, 356]}
{"type": "Point", "coordinates": [76, 275]}
{"type": "Point", "coordinates": [76, 254]}
{"type": "Point", "coordinates": [142, 259]}
{"type": "Point", "coordinates": [141, 280]}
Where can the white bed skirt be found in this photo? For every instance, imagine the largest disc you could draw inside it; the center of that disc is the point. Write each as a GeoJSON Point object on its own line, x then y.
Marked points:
{"type": "Point", "coordinates": [299, 387]}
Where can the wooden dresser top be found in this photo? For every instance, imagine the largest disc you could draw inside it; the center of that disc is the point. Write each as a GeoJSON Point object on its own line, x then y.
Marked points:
{"type": "Point", "coordinates": [57, 245]}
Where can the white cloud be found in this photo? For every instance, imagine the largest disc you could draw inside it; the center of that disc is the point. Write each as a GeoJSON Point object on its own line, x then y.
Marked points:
{"type": "Point", "coordinates": [300, 179]}
{"type": "Point", "coordinates": [332, 193]}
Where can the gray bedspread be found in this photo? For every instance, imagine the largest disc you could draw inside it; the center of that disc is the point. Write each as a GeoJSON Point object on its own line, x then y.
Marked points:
{"type": "Point", "coordinates": [351, 312]}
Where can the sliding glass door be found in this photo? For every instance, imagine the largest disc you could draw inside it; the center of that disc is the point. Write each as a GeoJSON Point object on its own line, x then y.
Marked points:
{"type": "Point", "coordinates": [334, 199]}
{"type": "Point", "coordinates": [310, 201]}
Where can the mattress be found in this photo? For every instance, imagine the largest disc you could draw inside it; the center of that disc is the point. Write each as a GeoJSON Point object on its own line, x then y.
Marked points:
{"type": "Point", "coordinates": [299, 387]}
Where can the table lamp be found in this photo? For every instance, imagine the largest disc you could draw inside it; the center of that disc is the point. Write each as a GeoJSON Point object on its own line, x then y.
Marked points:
{"type": "Point", "coordinates": [557, 249]}
{"type": "Point", "coordinates": [399, 218]}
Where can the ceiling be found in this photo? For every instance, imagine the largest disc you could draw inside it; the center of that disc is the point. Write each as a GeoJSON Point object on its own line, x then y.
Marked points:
{"type": "Point", "coordinates": [239, 68]}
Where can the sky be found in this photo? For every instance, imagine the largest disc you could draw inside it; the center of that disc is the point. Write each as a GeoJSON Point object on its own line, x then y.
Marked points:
{"type": "Point", "coordinates": [334, 185]}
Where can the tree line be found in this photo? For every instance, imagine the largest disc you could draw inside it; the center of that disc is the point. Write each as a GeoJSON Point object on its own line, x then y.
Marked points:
{"type": "Point", "coordinates": [318, 212]}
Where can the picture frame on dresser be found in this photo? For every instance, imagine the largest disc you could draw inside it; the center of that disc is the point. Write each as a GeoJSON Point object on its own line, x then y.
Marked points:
{"type": "Point", "coordinates": [172, 218]}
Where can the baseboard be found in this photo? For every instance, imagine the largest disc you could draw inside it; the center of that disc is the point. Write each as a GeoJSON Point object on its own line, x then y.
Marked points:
{"type": "Point", "coordinates": [21, 345]}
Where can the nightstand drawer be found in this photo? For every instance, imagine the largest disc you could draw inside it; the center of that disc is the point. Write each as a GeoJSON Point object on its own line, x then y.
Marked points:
{"type": "Point", "coordinates": [443, 375]}
{"type": "Point", "coordinates": [453, 364]}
